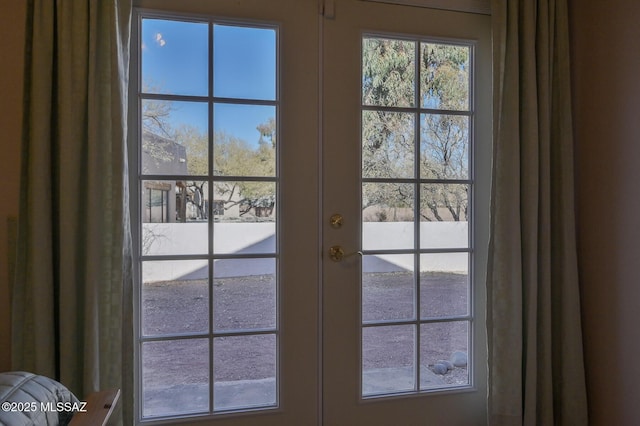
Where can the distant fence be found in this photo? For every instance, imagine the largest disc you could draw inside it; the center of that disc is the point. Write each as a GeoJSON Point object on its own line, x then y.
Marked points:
{"type": "Point", "coordinates": [251, 238]}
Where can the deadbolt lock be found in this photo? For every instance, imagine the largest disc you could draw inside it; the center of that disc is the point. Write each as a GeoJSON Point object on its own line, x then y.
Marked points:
{"type": "Point", "coordinates": [336, 221]}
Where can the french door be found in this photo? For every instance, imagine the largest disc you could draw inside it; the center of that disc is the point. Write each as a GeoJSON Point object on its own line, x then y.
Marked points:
{"type": "Point", "coordinates": [311, 242]}
{"type": "Point", "coordinates": [406, 152]}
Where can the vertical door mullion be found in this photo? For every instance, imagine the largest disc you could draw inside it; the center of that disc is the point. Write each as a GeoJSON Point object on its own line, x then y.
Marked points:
{"type": "Point", "coordinates": [210, 190]}
{"type": "Point", "coordinates": [416, 216]}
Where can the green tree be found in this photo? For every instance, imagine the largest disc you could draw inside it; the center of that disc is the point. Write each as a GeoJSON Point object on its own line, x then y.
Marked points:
{"type": "Point", "coordinates": [236, 157]}
{"type": "Point", "coordinates": [445, 137]}
{"type": "Point", "coordinates": [232, 157]}
{"type": "Point", "coordinates": [444, 71]}
{"type": "Point", "coordinates": [388, 137]}
{"type": "Point", "coordinates": [195, 142]}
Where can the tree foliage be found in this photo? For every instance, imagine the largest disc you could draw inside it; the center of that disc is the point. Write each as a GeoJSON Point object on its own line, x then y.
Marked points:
{"type": "Point", "coordinates": [236, 157]}
{"type": "Point", "coordinates": [389, 147]}
{"type": "Point", "coordinates": [156, 112]}
{"type": "Point", "coordinates": [388, 72]}
{"type": "Point", "coordinates": [444, 70]}
{"type": "Point", "coordinates": [232, 157]}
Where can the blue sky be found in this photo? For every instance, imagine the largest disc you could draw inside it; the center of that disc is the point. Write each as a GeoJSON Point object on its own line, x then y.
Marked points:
{"type": "Point", "coordinates": [175, 61]}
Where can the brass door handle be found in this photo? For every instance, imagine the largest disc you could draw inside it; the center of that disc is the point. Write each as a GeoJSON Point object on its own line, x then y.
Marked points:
{"type": "Point", "coordinates": [336, 253]}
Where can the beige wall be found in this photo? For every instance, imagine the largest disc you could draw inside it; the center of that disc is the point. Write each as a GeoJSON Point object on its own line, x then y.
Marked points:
{"type": "Point", "coordinates": [606, 73]}
{"type": "Point", "coordinates": [12, 25]}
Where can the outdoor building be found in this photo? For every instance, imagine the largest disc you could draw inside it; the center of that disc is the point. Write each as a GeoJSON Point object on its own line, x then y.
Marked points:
{"type": "Point", "coordinates": [167, 201]}
{"type": "Point", "coordinates": [162, 156]}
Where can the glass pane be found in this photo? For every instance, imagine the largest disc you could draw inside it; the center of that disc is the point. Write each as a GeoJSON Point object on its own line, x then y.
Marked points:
{"type": "Point", "coordinates": [444, 349]}
{"type": "Point", "coordinates": [388, 145]}
{"type": "Point", "coordinates": [444, 284]}
{"type": "Point", "coordinates": [245, 217]}
{"type": "Point", "coordinates": [387, 213]}
{"type": "Point", "coordinates": [174, 57]}
{"type": "Point", "coordinates": [444, 146]}
{"type": "Point", "coordinates": [388, 72]}
{"type": "Point", "coordinates": [174, 138]}
{"type": "Point", "coordinates": [444, 71]}
{"type": "Point", "coordinates": [175, 297]}
{"type": "Point", "coordinates": [175, 377]}
{"type": "Point", "coordinates": [244, 372]}
{"type": "Point", "coordinates": [388, 359]}
{"type": "Point", "coordinates": [244, 62]}
{"type": "Point", "coordinates": [443, 216]}
{"type": "Point", "coordinates": [243, 234]}
{"type": "Point", "coordinates": [174, 217]}
{"type": "Point", "coordinates": [244, 140]}
{"type": "Point", "coordinates": [388, 288]}
{"type": "Point", "coordinates": [244, 293]}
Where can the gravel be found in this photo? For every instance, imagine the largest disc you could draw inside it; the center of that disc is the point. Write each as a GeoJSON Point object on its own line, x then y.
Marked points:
{"type": "Point", "coordinates": [250, 302]}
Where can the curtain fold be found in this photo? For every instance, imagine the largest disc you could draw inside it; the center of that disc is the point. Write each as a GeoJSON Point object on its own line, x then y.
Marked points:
{"type": "Point", "coordinates": [536, 370]}
{"type": "Point", "coordinates": [71, 307]}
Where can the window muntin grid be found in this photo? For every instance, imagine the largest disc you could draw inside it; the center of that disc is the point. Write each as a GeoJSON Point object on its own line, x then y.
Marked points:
{"type": "Point", "coordinates": [209, 198]}
{"type": "Point", "coordinates": [417, 186]}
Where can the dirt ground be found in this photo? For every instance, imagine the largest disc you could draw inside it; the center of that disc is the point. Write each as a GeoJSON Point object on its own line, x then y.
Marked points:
{"type": "Point", "coordinates": [250, 302]}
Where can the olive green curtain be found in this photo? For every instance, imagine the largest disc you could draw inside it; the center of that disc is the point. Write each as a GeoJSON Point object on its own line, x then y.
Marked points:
{"type": "Point", "coordinates": [71, 304]}
{"type": "Point", "coordinates": [536, 366]}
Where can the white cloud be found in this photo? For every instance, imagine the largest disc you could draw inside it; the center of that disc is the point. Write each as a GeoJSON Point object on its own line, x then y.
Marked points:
{"type": "Point", "coordinates": [160, 40]}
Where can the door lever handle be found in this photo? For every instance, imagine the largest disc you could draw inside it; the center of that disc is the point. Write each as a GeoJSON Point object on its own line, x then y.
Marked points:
{"type": "Point", "coordinates": [336, 253]}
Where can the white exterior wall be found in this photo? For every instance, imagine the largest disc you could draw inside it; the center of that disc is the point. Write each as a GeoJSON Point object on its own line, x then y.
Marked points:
{"type": "Point", "coordinates": [229, 238]}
